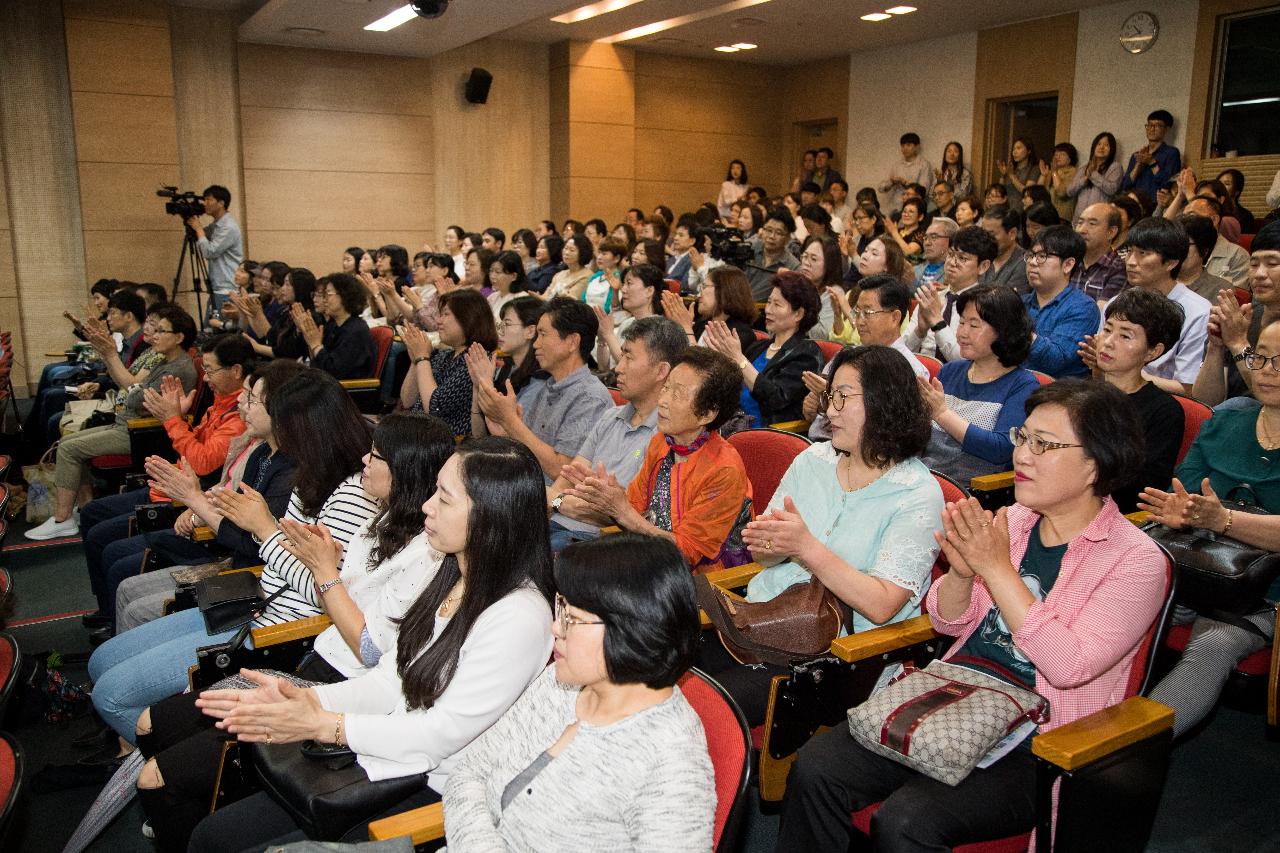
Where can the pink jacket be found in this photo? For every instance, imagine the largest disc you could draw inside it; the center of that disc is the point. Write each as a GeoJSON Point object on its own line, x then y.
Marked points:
{"type": "Point", "coordinates": [1083, 637]}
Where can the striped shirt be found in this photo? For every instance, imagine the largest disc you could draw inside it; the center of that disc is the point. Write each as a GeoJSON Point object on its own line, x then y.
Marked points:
{"type": "Point", "coordinates": [344, 512]}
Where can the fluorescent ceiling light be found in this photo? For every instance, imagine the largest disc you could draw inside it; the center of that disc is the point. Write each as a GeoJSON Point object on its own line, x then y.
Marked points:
{"type": "Point", "coordinates": [744, 45]}
{"type": "Point", "coordinates": [672, 23]}
{"type": "Point", "coordinates": [876, 16]}
{"type": "Point", "coordinates": [724, 48]}
{"type": "Point", "coordinates": [592, 10]}
{"type": "Point", "coordinates": [900, 10]}
{"type": "Point", "coordinates": [1251, 102]}
{"type": "Point", "coordinates": [389, 22]}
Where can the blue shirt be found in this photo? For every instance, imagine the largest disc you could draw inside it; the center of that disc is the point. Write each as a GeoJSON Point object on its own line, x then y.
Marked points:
{"type": "Point", "coordinates": [746, 402]}
{"type": "Point", "coordinates": [1060, 327]}
{"type": "Point", "coordinates": [1165, 165]}
{"type": "Point", "coordinates": [991, 408]}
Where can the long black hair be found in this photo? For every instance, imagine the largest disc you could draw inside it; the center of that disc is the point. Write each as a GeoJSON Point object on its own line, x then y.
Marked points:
{"type": "Point", "coordinates": [507, 548]}
{"type": "Point", "coordinates": [305, 408]}
{"type": "Point", "coordinates": [415, 448]}
{"type": "Point", "coordinates": [528, 310]}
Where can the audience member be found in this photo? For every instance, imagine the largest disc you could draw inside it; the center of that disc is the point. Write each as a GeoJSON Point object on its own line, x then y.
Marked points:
{"type": "Point", "coordinates": [1022, 168]}
{"type": "Point", "coordinates": [603, 285]}
{"type": "Point", "coordinates": [576, 255]}
{"type": "Point", "coordinates": [1038, 216]}
{"type": "Point", "coordinates": [516, 332]}
{"type": "Point", "coordinates": [1233, 181]}
{"type": "Point", "coordinates": [439, 382]}
{"type": "Point", "coordinates": [911, 169]}
{"type": "Point", "coordinates": [1060, 314]}
{"type": "Point", "coordinates": [701, 263]}
{"type": "Point", "coordinates": [1226, 260]}
{"type": "Point", "coordinates": [1009, 268]}
{"type": "Point", "coordinates": [968, 211]}
{"type": "Point", "coordinates": [725, 296]}
{"type": "Point", "coordinates": [508, 278]}
{"type": "Point", "coordinates": [1202, 238]}
{"type": "Point", "coordinates": [641, 296]}
{"type": "Point", "coordinates": [344, 347]}
{"type": "Point", "coordinates": [822, 265]}
{"type": "Point", "coordinates": [1057, 177]}
{"type": "Point", "coordinates": [772, 254]}
{"type": "Point", "coordinates": [280, 338]}
{"type": "Point", "coordinates": [549, 262]}
{"type": "Point", "coordinates": [909, 228]}
{"type": "Point", "coordinates": [865, 224]}
{"type": "Point", "coordinates": [954, 172]}
{"type": "Point", "coordinates": [734, 187]}
{"type": "Point", "coordinates": [1156, 162]}
{"type": "Point", "coordinates": [944, 199]}
{"type": "Point", "coordinates": [823, 173]}
{"type": "Point", "coordinates": [932, 330]}
{"type": "Point", "coordinates": [681, 243]}
{"type": "Point", "coordinates": [936, 243]}
{"type": "Point", "coordinates": [1101, 274]}
{"type": "Point", "coordinates": [1130, 212]}
{"type": "Point", "coordinates": [524, 244]}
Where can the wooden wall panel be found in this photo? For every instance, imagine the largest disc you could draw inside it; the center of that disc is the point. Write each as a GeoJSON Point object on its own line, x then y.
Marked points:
{"type": "Point", "coordinates": [122, 58]}
{"type": "Point", "coordinates": [327, 201]}
{"type": "Point", "coordinates": [117, 128]}
{"type": "Point", "coordinates": [325, 140]}
{"type": "Point", "coordinates": [122, 197]}
{"type": "Point", "coordinates": [301, 78]}
{"type": "Point", "coordinates": [137, 255]}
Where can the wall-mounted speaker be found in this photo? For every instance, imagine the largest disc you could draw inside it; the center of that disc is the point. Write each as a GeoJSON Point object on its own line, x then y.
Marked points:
{"type": "Point", "coordinates": [478, 84]}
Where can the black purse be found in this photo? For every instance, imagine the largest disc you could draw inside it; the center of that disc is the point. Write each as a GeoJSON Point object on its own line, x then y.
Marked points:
{"type": "Point", "coordinates": [325, 791]}
{"type": "Point", "coordinates": [231, 600]}
{"type": "Point", "coordinates": [1218, 574]}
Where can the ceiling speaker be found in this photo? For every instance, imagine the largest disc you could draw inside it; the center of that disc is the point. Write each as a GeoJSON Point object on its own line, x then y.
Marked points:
{"type": "Point", "coordinates": [429, 8]}
{"type": "Point", "coordinates": [478, 84]}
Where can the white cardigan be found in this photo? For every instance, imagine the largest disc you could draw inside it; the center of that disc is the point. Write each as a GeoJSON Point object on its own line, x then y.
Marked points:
{"type": "Point", "coordinates": [507, 647]}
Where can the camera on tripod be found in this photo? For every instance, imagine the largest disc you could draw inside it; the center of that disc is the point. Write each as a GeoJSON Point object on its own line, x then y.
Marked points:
{"type": "Point", "coordinates": [184, 205]}
{"type": "Point", "coordinates": [730, 245]}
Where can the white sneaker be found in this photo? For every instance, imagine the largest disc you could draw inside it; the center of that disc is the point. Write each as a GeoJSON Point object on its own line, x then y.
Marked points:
{"type": "Point", "coordinates": [50, 529]}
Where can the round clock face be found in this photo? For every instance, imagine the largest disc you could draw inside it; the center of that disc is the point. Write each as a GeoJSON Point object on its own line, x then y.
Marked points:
{"type": "Point", "coordinates": [1139, 31]}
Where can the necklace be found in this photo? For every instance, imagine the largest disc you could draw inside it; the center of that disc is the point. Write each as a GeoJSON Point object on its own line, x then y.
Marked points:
{"type": "Point", "coordinates": [849, 484]}
{"type": "Point", "coordinates": [448, 605]}
{"type": "Point", "coordinates": [1266, 440]}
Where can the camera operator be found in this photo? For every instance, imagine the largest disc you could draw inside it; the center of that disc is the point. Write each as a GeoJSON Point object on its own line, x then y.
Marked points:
{"type": "Point", "coordinates": [221, 244]}
{"type": "Point", "coordinates": [772, 253]}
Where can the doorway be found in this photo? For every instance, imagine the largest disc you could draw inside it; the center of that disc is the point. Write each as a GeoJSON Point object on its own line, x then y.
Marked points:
{"type": "Point", "coordinates": [806, 135]}
{"type": "Point", "coordinates": [1032, 117]}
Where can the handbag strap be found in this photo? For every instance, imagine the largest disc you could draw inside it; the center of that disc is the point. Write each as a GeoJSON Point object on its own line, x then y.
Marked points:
{"type": "Point", "coordinates": [1237, 622]}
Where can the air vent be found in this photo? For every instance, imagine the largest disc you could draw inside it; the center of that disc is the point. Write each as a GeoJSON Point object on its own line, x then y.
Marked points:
{"type": "Point", "coordinates": [669, 41]}
{"type": "Point", "coordinates": [308, 32]}
{"type": "Point", "coordinates": [746, 23]}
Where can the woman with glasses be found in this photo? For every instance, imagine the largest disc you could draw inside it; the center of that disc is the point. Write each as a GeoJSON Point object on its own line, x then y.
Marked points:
{"type": "Point", "coordinates": [439, 382]}
{"type": "Point", "coordinates": [148, 663]}
{"type": "Point", "coordinates": [516, 332]}
{"type": "Point", "coordinates": [822, 264]}
{"type": "Point", "coordinates": [858, 512]}
{"type": "Point", "coordinates": [975, 399]}
{"type": "Point", "coordinates": [864, 225]}
{"type": "Point", "coordinates": [908, 231]}
{"type": "Point", "coordinates": [602, 752]}
{"type": "Point", "coordinates": [365, 588]}
{"type": "Point", "coordinates": [1232, 459]}
{"type": "Point", "coordinates": [468, 646]}
{"type": "Point", "coordinates": [1053, 594]}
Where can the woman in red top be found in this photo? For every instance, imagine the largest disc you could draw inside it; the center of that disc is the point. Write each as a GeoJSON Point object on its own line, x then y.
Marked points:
{"type": "Point", "coordinates": [1054, 594]}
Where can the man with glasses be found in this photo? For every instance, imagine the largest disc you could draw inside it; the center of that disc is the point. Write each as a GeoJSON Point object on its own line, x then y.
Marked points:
{"type": "Point", "coordinates": [1010, 265]}
{"type": "Point", "coordinates": [937, 240]}
{"type": "Point", "coordinates": [772, 253]}
{"type": "Point", "coordinates": [1100, 276]}
{"type": "Point", "coordinates": [1063, 316]}
{"type": "Point", "coordinates": [944, 199]}
{"type": "Point", "coordinates": [933, 326]}
{"type": "Point", "coordinates": [1154, 163]}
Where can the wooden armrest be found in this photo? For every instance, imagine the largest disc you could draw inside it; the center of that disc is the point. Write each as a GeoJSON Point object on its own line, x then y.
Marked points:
{"type": "Point", "coordinates": [203, 534]}
{"type": "Point", "coordinates": [1076, 744]}
{"type": "Point", "coordinates": [800, 427]}
{"type": "Point", "coordinates": [610, 530]}
{"type": "Point", "coordinates": [255, 570]}
{"type": "Point", "coordinates": [360, 384]}
{"type": "Point", "coordinates": [736, 577]}
{"type": "Point", "coordinates": [421, 825]}
{"type": "Point", "coordinates": [992, 482]}
{"type": "Point", "coordinates": [1139, 518]}
{"type": "Point", "coordinates": [298, 629]}
{"type": "Point", "coordinates": [144, 423]}
{"type": "Point", "coordinates": [867, 644]}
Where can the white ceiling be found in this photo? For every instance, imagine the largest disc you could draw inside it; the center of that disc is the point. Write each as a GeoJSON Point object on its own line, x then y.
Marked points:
{"type": "Point", "coordinates": [788, 32]}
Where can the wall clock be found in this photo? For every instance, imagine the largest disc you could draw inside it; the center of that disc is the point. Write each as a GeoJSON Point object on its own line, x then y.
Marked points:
{"type": "Point", "coordinates": [1139, 32]}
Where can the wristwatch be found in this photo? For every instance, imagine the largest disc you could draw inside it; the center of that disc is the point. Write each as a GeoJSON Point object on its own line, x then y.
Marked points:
{"type": "Point", "coordinates": [1241, 356]}
{"type": "Point", "coordinates": [555, 503]}
{"type": "Point", "coordinates": [325, 587]}
{"type": "Point", "coordinates": [938, 326]}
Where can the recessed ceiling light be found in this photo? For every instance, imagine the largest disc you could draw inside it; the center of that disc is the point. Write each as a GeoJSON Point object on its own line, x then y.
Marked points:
{"type": "Point", "coordinates": [745, 45]}
{"type": "Point", "coordinates": [900, 10]}
{"type": "Point", "coordinates": [724, 48]}
{"type": "Point", "coordinates": [672, 23]}
{"type": "Point", "coordinates": [592, 10]}
{"type": "Point", "coordinates": [876, 16]}
{"type": "Point", "coordinates": [389, 22]}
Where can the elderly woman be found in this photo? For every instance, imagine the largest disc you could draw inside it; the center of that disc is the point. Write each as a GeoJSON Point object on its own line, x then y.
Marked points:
{"type": "Point", "coordinates": [343, 346]}
{"type": "Point", "coordinates": [976, 399]}
{"type": "Point", "coordinates": [692, 487]}
{"type": "Point", "coordinates": [1053, 594]}
{"type": "Point", "coordinates": [602, 751]}
{"type": "Point", "coordinates": [773, 369]}
{"type": "Point", "coordinates": [858, 512]}
{"type": "Point", "coordinates": [1230, 460]}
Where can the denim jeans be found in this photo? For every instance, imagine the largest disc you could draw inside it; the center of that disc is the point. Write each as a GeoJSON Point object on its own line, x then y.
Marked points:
{"type": "Point", "coordinates": [138, 668]}
{"type": "Point", "coordinates": [562, 537]}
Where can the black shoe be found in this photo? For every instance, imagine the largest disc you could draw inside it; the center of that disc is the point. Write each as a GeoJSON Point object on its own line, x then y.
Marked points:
{"type": "Point", "coordinates": [108, 754]}
{"type": "Point", "coordinates": [100, 636]}
{"type": "Point", "coordinates": [96, 619]}
{"type": "Point", "coordinates": [97, 738]}
{"type": "Point", "coordinates": [62, 777]}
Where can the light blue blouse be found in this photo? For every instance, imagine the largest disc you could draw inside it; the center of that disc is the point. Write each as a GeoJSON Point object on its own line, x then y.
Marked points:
{"type": "Point", "coordinates": [884, 530]}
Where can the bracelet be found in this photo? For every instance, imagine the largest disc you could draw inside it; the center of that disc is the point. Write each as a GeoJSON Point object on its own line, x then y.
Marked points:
{"type": "Point", "coordinates": [338, 738]}
{"type": "Point", "coordinates": [1224, 530]}
{"type": "Point", "coordinates": [421, 359]}
{"type": "Point", "coordinates": [325, 587]}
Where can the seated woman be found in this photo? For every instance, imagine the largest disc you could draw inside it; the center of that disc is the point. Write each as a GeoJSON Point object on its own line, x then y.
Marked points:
{"type": "Point", "coordinates": [525, 245]}
{"type": "Point", "coordinates": [433, 277]}
{"type": "Point", "coordinates": [1230, 460]}
{"type": "Point", "coordinates": [576, 255]}
{"type": "Point", "coordinates": [509, 281]}
{"type": "Point", "coordinates": [1141, 326]}
{"type": "Point", "coordinates": [773, 370]}
{"type": "Point", "coordinates": [692, 487]}
{"type": "Point", "coordinates": [470, 644]}
{"type": "Point", "coordinates": [1053, 594]}
{"type": "Point", "coordinates": [547, 256]}
{"type": "Point", "coordinates": [724, 296]}
{"type": "Point", "coordinates": [479, 261]}
{"type": "Point", "coordinates": [438, 382]}
{"type": "Point", "coordinates": [517, 330]}
{"type": "Point", "coordinates": [149, 663]}
{"type": "Point", "coordinates": [280, 338]}
{"type": "Point", "coordinates": [343, 347]}
{"type": "Point", "coordinates": [640, 296]}
{"type": "Point", "coordinates": [881, 255]}
{"type": "Point", "coordinates": [857, 512]}
{"type": "Point", "coordinates": [617, 753]}
{"type": "Point", "coordinates": [908, 231]}
{"type": "Point", "coordinates": [603, 285]}
{"type": "Point", "coordinates": [975, 400]}
{"type": "Point", "coordinates": [822, 265]}
{"type": "Point", "coordinates": [172, 335]}
{"type": "Point", "coordinates": [385, 567]}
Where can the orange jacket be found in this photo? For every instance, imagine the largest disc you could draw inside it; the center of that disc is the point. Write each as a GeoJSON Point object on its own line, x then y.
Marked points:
{"type": "Point", "coordinates": [205, 445]}
{"type": "Point", "coordinates": [707, 494]}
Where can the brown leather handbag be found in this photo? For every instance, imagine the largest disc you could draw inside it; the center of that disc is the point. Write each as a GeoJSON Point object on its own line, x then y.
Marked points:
{"type": "Point", "coordinates": [797, 625]}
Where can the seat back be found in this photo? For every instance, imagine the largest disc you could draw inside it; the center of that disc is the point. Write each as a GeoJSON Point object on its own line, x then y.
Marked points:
{"type": "Point", "coordinates": [10, 780]}
{"type": "Point", "coordinates": [931, 364]}
{"type": "Point", "coordinates": [766, 453]}
{"type": "Point", "coordinates": [761, 336]}
{"type": "Point", "coordinates": [1243, 297]}
{"type": "Point", "coordinates": [729, 747]}
{"type": "Point", "coordinates": [10, 663]}
{"type": "Point", "coordinates": [1194, 414]}
{"type": "Point", "coordinates": [1142, 676]}
{"type": "Point", "coordinates": [382, 337]}
{"type": "Point", "coordinates": [1043, 378]}
{"type": "Point", "coordinates": [1245, 242]}
{"type": "Point", "coordinates": [618, 399]}
{"type": "Point", "coordinates": [951, 492]}
{"type": "Point", "coordinates": [673, 285]}
{"type": "Point", "coordinates": [829, 350]}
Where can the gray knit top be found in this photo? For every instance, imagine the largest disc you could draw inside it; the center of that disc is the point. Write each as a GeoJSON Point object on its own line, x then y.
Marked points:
{"type": "Point", "coordinates": [641, 784]}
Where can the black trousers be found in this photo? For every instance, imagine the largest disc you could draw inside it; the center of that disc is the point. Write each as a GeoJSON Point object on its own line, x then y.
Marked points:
{"type": "Point", "coordinates": [748, 685]}
{"type": "Point", "coordinates": [833, 777]}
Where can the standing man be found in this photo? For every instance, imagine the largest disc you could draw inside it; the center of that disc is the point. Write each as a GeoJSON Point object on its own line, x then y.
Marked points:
{"type": "Point", "coordinates": [911, 169]}
{"type": "Point", "coordinates": [1154, 164]}
{"type": "Point", "coordinates": [823, 174]}
{"type": "Point", "coordinates": [220, 244]}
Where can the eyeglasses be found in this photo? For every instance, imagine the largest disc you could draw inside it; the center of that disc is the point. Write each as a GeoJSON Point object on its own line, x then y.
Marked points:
{"type": "Point", "coordinates": [1253, 361]}
{"type": "Point", "coordinates": [928, 238]}
{"type": "Point", "coordinates": [1041, 257]}
{"type": "Point", "coordinates": [962, 257]}
{"type": "Point", "coordinates": [249, 401]}
{"type": "Point", "coordinates": [511, 324]}
{"type": "Point", "coordinates": [835, 399]}
{"type": "Point", "coordinates": [1038, 445]}
{"type": "Point", "coordinates": [565, 621]}
{"type": "Point", "coordinates": [209, 371]}
{"type": "Point", "coordinates": [373, 454]}
{"type": "Point", "coordinates": [868, 313]}
{"type": "Point", "coordinates": [776, 232]}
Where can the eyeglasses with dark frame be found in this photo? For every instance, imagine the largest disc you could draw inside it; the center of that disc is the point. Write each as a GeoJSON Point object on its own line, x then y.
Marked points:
{"type": "Point", "coordinates": [1038, 445]}
{"type": "Point", "coordinates": [1041, 257]}
{"type": "Point", "coordinates": [835, 399]}
{"type": "Point", "coordinates": [1254, 361]}
{"type": "Point", "coordinates": [565, 621]}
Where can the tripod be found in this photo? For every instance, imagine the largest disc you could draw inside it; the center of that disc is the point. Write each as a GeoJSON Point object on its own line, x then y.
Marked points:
{"type": "Point", "coordinates": [199, 273]}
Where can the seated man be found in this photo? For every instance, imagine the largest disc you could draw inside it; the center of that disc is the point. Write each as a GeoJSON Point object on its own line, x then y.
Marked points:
{"type": "Point", "coordinates": [1010, 264]}
{"type": "Point", "coordinates": [1062, 314]}
{"type": "Point", "coordinates": [616, 445]}
{"type": "Point", "coordinates": [681, 242]}
{"type": "Point", "coordinates": [936, 244]}
{"type": "Point", "coordinates": [1226, 260]}
{"type": "Point", "coordinates": [1101, 274]}
{"type": "Point", "coordinates": [932, 330]}
{"type": "Point", "coordinates": [228, 359]}
{"type": "Point", "coordinates": [771, 253]}
{"type": "Point", "coordinates": [551, 416]}
{"type": "Point", "coordinates": [692, 487]}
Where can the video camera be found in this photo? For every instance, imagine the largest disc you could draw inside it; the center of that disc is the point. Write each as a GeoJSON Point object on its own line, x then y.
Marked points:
{"type": "Point", "coordinates": [730, 245]}
{"type": "Point", "coordinates": [184, 205]}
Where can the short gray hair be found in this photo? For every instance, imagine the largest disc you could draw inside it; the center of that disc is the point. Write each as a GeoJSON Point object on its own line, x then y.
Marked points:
{"type": "Point", "coordinates": [949, 225]}
{"type": "Point", "coordinates": [663, 338]}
